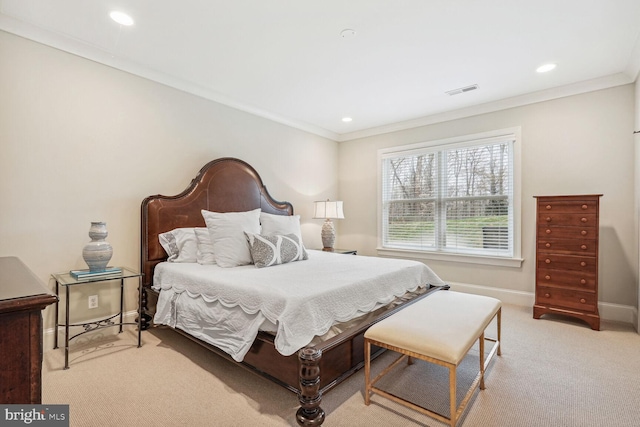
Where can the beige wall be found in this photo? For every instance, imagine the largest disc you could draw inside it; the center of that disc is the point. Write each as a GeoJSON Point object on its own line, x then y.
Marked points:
{"type": "Point", "coordinates": [636, 138]}
{"type": "Point", "coordinates": [82, 142]}
{"type": "Point", "coordinates": [575, 145]}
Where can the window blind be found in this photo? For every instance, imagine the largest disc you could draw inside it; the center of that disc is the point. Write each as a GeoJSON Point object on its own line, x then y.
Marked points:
{"type": "Point", "coordinates": [454, 198]}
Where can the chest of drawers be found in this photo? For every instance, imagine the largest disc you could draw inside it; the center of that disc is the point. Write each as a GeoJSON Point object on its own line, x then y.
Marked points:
{"type": "Point", "coordinates": [567, 257]}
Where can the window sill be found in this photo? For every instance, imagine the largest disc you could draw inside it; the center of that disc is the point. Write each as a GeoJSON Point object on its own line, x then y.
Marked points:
{"type": "Point", "coordinates": [468, 259]}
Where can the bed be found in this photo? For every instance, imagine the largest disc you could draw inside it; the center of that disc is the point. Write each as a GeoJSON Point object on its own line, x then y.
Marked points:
{"type": "Point", "coordinates": [293, 333]}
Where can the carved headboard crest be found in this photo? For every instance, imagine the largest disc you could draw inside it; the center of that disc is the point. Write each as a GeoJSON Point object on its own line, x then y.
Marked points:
{"type": "Point", "coordinates": [222, 185]}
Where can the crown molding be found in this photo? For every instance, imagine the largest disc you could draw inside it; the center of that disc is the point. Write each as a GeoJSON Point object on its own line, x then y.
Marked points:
{"type": "Point", "coordinates": [76, 47]}
{"type": "Point", "coordinates": [613, 80]}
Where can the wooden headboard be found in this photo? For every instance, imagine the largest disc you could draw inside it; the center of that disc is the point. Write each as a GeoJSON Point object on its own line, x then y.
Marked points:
{"type": "Point", "coordinates": [222, 185]}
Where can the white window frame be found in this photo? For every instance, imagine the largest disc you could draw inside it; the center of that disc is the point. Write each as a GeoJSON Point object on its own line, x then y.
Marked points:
{"type": "Point", "coordinates": [516, 259]}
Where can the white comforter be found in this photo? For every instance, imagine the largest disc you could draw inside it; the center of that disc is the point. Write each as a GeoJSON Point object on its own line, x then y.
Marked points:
{"type": "Point", "coordinates": [302, 299]}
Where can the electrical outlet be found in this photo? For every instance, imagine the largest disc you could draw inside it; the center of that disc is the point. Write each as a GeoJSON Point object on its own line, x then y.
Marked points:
{"type": "Point", "coordinates": [93, 301]}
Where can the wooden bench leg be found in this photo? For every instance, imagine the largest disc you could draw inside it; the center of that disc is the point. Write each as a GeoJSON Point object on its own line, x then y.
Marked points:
{"type": "Point", "coordinates": [481, 361]}
{"type": "Point", "coordinates": [453, 407]}
{"type": "Point", "coordinates": [367, 372]}
{"type": "Point", "coordinates": [500, 331]}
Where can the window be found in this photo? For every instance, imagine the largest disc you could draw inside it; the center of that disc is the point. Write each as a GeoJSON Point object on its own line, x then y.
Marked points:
{"type": "Point", "coordinates": [453, 197]}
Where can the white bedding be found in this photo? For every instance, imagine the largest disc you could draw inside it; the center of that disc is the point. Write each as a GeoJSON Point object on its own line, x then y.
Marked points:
{"type": "Point", "coordinates": [301, 299]}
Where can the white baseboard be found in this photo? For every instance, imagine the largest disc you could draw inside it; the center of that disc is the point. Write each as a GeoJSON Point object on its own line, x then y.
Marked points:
{"type": "Point", "coordinates": [49, 334]}
{"type": "Point", "coordinates": [618, 313]}
{"type": "Point", "coordinates": [608, 311]}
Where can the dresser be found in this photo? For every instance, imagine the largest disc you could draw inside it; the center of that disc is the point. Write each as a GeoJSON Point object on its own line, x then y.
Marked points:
{"type": "Point", "coordinates": [22, 298]}
{"type": "Point", "coordinates": [567, 257]}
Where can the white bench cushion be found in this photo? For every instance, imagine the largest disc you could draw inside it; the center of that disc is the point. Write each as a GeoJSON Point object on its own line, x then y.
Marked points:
{"type": "Point", "coordinates": [443, 326]}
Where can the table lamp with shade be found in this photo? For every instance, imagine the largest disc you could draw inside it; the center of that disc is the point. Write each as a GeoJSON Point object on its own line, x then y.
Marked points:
{"type": "Point", "coordinates": [328, 210]}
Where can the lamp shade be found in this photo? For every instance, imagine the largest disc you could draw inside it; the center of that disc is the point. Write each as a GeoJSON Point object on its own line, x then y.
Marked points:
{"type": "Point", "coordinates": [328, 210]}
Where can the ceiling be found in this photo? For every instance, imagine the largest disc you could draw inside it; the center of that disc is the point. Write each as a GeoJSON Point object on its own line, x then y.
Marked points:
{"type": "Point", "coordinates": [287, 60]}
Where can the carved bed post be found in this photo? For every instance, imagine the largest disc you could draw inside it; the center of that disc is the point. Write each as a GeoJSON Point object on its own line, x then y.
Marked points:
{"type": "Point", "coordinates": [145, 321]}
{"type": "Point", "coordinates": [310, 412]}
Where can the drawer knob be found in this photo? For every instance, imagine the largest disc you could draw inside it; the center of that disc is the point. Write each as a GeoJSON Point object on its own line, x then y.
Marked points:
{"type": "Point", "coordinates": [583, 232]}
{"type": "Point", "coordinates": [585, 207]}
{"type": "Point", "coordinates": [548, 261]}
{"type": "Point", "coordinates": [582, 300]}
{"type": "Point", "coordinates": [583, 282]}
{"type": "Point", "coordinates": [548, 231]}
{"type": "Point", "coordinates": [583, 247]}
{"type": "Point", "coordinates": [548, 245]}
{"type": "Point", "coordinates": [582, 263]}
{"type": "Point", "coordinates": [548, 207]}
{"type": "Point", "coordinates": [547, 277]}
{"type": "Point", "coordinates": [548, 219]}
{"type": "Point", "coordinates": [547, 295]}
{"type": "Point", "coordinates": [583, 219]}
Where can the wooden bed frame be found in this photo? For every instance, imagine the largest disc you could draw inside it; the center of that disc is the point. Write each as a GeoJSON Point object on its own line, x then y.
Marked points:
{"type": "Point", "coordinates": [231, 185]}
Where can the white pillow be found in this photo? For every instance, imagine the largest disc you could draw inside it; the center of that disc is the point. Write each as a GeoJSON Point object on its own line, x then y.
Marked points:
{"type": "Point", "coordinates": [180, 244]}
{"type": "Point", "coordinates": [280, 224]}
{"type": "Point", "coordinates": [205, 253]}
{"type": "Point", "coordinates": [226, 231]}
{"type": "Point", "coordinates": [275, 249]}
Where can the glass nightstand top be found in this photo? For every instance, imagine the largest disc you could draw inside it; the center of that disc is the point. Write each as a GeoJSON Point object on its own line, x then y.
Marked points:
{"type": "Point", "coordinates": [66, 279]}
{"type": "Point", "coordinates": [341, 251]}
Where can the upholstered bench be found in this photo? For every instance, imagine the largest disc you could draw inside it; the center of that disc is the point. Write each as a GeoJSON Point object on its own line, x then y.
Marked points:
{"type": "Point", "coordinates": [440, 329]}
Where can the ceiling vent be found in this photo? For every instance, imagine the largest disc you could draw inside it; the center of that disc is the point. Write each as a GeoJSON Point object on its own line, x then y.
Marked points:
{"type": "Point", "coordinates": [461, 90]}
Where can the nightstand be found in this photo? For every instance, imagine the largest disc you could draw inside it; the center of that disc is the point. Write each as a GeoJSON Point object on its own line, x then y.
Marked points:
{"type": "Point", "coordinates": [23, 296]}
{"type": "Point", "coordinates": [342, 251]}
{"type": "Point", "coordinates": [69, 281]}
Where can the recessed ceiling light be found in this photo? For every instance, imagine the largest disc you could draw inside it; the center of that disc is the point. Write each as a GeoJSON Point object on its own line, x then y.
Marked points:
{"type": "Point", "coordinates": [347, 119]}
{"type": "Point", "coordinates": [546, 67]}
{"type": "Point", "coordinates": [121, 18]}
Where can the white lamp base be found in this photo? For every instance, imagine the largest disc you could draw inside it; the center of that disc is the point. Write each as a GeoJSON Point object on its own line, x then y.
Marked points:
{"type": "Point", "coordinates": [328, 234]}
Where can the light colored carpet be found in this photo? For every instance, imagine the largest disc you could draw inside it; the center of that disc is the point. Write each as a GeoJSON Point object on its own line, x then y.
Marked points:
{"type": "Point", "coordinates": [553, 372]}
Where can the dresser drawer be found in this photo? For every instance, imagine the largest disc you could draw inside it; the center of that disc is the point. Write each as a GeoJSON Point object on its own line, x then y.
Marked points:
{"type": "Point", "coordinates": [569, 298]}
{"type": "Point", "coordinates": [581, 280]}
{"type": "Point", "coordinates": [566, 262]}
{"type": "Point", "coordinates": [552, 232]}
{"type": "Point", "coordinates": [577, 219]}
{"type": "Point", "coordinates": [574, 206]}
{"type": "Point", "coordinates": [572, 247]}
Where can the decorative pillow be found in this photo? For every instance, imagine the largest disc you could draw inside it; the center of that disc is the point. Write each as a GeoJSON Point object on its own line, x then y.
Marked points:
{"type": "Point", "coordinates": [280, 224]}
{"type": "Point", "coordinates": [180, 244]}
{"type": "Point", "coordinates": [275, 249]}
{"type": "Point", "coordinates": [226, 231]}
{"type": "Point", "coordinates": [205, 254]}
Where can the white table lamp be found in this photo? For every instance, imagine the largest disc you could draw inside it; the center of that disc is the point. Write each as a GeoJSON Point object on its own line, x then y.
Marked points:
{"type": "Point", "coordinates": [328, 210]}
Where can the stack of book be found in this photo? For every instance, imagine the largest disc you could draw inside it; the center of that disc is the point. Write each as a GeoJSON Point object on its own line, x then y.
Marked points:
{"type": "Point", "coordinates": [88, 274]}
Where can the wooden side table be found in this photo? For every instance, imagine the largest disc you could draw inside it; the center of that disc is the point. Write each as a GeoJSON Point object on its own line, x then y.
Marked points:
{"type": "Point", "coordinates": [342, 251]}
{"type": "Point", "coordinates": [68, 281]}
{"type": "Point", "coordinates": [22, 298]}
